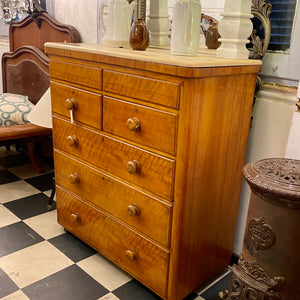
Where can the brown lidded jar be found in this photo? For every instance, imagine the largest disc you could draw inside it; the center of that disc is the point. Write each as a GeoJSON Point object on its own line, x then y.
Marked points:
{"type": "Point", "coordinates": [211, 37]}
{"type": "Point", "coordinates": [139, 35]}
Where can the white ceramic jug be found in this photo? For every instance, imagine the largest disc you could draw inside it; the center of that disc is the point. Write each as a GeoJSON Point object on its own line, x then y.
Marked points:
{"type": "Point", "coordinates": [119, 19]}
{"type": "Point", "coordinates": [185, 32]}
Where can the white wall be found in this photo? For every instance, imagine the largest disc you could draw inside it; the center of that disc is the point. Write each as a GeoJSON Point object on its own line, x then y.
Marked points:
{"type": "Point", "coordinates": [82, 14]}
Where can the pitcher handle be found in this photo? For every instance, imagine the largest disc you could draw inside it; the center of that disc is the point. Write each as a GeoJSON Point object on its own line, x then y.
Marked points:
{"type": "Point", "coordinates": [103, 27]}
{"type": "Point", "coordinates": [189, 25]}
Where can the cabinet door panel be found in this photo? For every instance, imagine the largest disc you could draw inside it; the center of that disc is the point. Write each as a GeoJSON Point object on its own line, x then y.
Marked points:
{"type": "Point", "coordinates": [135, 254]}
{"type": "Point", "coordinates": [145, 169]}
{"type": "Point", "coordinates": [142, 88]}
{"type": "Point", "coordinates": [86, 107]}
{"type": "Point", "coordinates": [147, 214]}
{"type": "Point", "coordinates": [141, 124]}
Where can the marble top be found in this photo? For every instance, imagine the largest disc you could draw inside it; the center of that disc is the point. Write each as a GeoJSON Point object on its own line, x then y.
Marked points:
{"type": "Point", "coordinates": [205, 58]}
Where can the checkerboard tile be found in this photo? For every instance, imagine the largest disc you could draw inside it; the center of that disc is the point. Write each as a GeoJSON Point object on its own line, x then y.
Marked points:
{"type": "Point", "coordinates": [40, 260]}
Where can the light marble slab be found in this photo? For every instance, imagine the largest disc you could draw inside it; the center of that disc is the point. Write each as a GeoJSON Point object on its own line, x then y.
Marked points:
{"type": "Point", "coordinates": [205, 58]}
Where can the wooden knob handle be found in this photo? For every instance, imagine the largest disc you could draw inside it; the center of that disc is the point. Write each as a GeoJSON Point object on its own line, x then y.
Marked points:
{"type": "Point", "coordinates": [131, 254]}
{"type": "Point", "coordinates": [133, 124]}
{"type": "Point", "coordinates": [133, 210]}
{"type": "Point", "coordinates": [74, 178]}
{"type": "Point", "coordinates": [72, 140]}
{"type": "Point", "coordinates": [70, 104]}
{"type": "Point", "coordinates": [133, 166]}
{"type": "Point", "coordinates": [75, 218]}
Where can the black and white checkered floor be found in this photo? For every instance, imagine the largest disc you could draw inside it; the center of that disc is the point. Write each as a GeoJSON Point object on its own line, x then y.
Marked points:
{"type": "Point", "coordinates": [39, 260]}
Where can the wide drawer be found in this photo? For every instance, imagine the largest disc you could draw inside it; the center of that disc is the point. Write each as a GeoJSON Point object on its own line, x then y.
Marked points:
{"type": "Point", "coordinates": [141, 124]}
{"type": "Point", "coordinates": [142, 88]}
{"type": "Point", "coordinates": [85, 107]}
{"type": "Point", "coordinates": [142, 168]}
{"type": "Point", "coordinates": [140, 211]}
{"type": "Point", "coordinates": [85, 76]}
{"type": "Point", "coordinates": [135, 254]}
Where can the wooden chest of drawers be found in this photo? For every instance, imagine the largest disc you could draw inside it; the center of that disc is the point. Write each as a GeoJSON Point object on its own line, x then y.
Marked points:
{"type": "Point", "coordinates": [148, 153]}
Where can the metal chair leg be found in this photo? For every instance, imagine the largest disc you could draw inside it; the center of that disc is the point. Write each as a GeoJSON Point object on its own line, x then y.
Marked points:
{"type": "Point", "coordinates": [49, 206]}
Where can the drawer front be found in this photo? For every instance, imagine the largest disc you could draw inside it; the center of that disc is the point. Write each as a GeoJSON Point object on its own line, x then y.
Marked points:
{"type": "Point", "coordinates": [136, 255]}
{"type": "Point", "coordinates": [147, 214]}
{"type": "Point", "coordinates": [78, 74]}
{"type": "Point", "coordinates": [142, 88]}
{"type": "Point", "coordinates": [144, 125]}
{"type": "Point", "coordinates": [143, 168]}
{"type": "Point", "coordinates": [86, 107]}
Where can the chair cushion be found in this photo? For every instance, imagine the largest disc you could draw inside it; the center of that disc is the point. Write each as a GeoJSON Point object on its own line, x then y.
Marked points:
{"type": "Point", "coordinates": [14, 109]}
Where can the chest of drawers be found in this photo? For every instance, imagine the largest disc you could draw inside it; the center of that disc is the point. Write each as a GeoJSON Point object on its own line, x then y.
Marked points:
{"type": "Point", "coordinates": [148, 153]}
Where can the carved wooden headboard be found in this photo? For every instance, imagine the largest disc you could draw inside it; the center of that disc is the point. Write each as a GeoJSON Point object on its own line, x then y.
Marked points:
{"type": "Point", "coordinates": [25, 69]}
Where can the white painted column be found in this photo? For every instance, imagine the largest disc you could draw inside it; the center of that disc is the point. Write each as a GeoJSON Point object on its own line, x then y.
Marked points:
{"type": "Point", "coordinates": [235, 29]}
{"type": "Point", "coordinates": [158, 23]}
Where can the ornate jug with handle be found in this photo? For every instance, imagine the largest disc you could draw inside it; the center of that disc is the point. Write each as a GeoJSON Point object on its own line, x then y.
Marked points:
{"type": "Point", "coordinates": [119, 19]}
{"type": "Point", "coordinates": [211, 36]}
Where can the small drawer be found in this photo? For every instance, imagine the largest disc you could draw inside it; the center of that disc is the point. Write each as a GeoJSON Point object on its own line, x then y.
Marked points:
{"type": "Point", "coordinates": [148, 215]}
{"type": "Point", "coordinates": [85, 107]}
{"type": "Point", "coordinates": [142, 88]}
{"type": "Point", "coordinates": [144, 260]}
{"type": "Point", "coordinates": [85, 76]}
{"type": "Point", "coordinates": [144, 125]}
{"type": "Point", "coordinates": [145, 169]}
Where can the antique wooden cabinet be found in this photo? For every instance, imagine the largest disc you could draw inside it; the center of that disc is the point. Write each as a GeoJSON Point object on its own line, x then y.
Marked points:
{"type": "Point", "coordinates": [149, 150]}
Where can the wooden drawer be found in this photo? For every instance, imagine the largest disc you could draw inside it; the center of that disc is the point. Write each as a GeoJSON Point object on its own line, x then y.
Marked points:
{"type": "Point", "coordinates": [77, 74]}
{"type": "Point", "coordinates": [142, 88]}
{"type": "Point", "coordinates": [144, 125]}
{"type": "Point", "coordinates": [155, 174]}
{"type": "Point", "coordinates": [141, 211]}
{"type": "Point", "coordinates": [86, 106]}
{"type": "Point", "coordinates": [115, 241]}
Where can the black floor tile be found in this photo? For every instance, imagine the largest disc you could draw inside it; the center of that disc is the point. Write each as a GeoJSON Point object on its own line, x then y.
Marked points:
{"type": "Point", "coordinates": [221, 285]}
{"type": "Point", "coordinates": [71, 283]}
{"type": "Point", "coordinates": [14, 160]}
{"type": "Point", "coordinates": [7, 177]}
{"type": "Point", "coordinates": [191, 296]}
{"type": "Point", "coordinates": [30, 206]}
{"type": "Point", "coordinates": [134, 290]}
{"type": "Point", "coordinates": [42, 182]}
{"type": "Point", "coordinates": [72, 247]}
{"type": "Point", "coordinates": [6, 284]}
{"type": "Point", "coordinates": [17, 236]}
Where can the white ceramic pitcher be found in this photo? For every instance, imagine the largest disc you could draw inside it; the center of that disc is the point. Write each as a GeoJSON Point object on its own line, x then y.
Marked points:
{"type": "Point", "coordinates": [185, 32]}
{"type": "Point", "coordinates": [119, 19]}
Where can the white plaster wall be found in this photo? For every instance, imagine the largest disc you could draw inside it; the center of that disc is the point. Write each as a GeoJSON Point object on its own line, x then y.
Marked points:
{"type": "Point", "coordinates": [82, 14]}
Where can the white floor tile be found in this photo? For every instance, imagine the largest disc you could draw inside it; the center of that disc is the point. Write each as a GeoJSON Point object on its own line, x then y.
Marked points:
{"type": "Point", "coordinates": [46, 225]}
{"type": "Point", "coordinates": [23, 171]}
{"type": "Point", "coordinates": [33, 263]}
{"type": "Point", "coordinates": [105, 272]}
{"type": "Point", "coordinates": [7, 217]}
{"type": "Point", "coordinates": [18, 295]}
{"type": "Point", "coordinates": [27, 171]}
{"type": "Point", "coordinates": [16, 190]}
{"type": "Point", "coordinates": [109, 296]}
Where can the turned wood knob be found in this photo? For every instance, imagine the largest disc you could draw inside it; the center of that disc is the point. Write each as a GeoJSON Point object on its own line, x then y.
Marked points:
{"type": "Point", "coordinates": [133, 166]}
{"type": "Point", "coordinates": [70, 104]}
{"type": "Point", "coordinates": [75, 218]}
{"type": "Point", "coordinates": [133, 210]}
{"type": "Point", "coordinates": [72, 140]}
{"type": "Point", "coordinates": [74, 178]}
{"type": "Point", "coordinates": [133, 124]}
{"type": "Point", "coordinates": [131, 254]}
